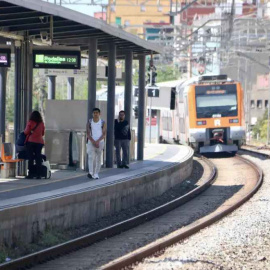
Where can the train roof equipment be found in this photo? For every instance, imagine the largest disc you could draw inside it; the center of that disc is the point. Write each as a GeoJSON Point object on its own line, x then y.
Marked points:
{"type": "Point", "coordinates": [213, 79]}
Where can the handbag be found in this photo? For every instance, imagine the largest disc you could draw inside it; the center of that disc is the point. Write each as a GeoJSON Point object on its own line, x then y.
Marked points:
{"type": "Point", "coordinates": [22, 140]}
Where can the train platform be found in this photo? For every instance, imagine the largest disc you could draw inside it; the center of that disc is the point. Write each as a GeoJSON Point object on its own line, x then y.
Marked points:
{"type": "Point", "coordinates": [70, 198]}
{"type": "Point", "coordinates": [152, 152]}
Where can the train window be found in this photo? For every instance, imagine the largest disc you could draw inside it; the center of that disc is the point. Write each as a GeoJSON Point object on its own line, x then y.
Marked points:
{"type": "Point", "coordinates": [252, 104]}
{"type": "Point", "coordinates": [172, 103]}
{"type": "Point", "coordinates": [182, 125]}
{"type": "Point", "coordinates": [207, 106]}
{"type": "Point", "coordinates": [266, 103]}
{"type": "Point", "coordinates": [167, 123]}
{"type": "Point", "coordinates": [216, 100]}
{"type": "Point", "coordinates": [259, 104]}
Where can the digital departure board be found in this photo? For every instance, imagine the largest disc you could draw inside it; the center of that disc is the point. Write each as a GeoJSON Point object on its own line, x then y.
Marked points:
{"type": "Point", "coordinates": [5, 57]}
{"type": "Point", "coordinates": [56, 59]}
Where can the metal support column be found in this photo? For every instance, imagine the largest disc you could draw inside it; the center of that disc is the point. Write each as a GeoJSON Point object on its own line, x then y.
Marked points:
{"type": "Point", "coordinates": [92, 80]}
{"type": "Point", "coordinates": [24, 92]}
{"type": "Point", "coordinates": [92, 76]}
{"type": "Point", "coordinates": [3, 80]}
{"type": "Point", "coordinates": [70, 88]}
{"type": "Point", "coordinates": [141, 108]}
{"type": "Point", "coordinates": [110, 106]}
{"type": "Point", "coordinates": [51, 87]}
{"type": "Point", "coordinates": [128, 86]}
{"type": "Point", "coordinates": [29, 80]}
{"type": "Point", "coordinates": [17, 94]}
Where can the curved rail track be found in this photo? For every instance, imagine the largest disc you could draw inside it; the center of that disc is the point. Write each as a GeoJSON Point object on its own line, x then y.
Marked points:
{"type": "Point", "coordinates": [189, 226]}
{"type": "Point", "coordinates": [250, 185]}
{"type": "Point", "coordinates": [263, 151]}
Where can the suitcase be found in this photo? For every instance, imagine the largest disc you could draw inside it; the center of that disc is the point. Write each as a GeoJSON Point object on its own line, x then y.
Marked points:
{"type": "Point", "coordinates": [45, 170]}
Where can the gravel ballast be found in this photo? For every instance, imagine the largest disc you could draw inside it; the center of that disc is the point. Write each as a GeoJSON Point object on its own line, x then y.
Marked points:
{"type": "Point", "coordinates": [239, 241]}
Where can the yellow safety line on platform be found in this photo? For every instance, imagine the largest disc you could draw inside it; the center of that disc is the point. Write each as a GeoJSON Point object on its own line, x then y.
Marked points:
{"type": "Point", "coordinates": [74, 177]}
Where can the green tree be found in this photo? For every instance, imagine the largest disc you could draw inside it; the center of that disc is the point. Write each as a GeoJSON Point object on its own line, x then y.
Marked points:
{"type": "Point", "coordinates": [164, 73]}
{"type": "Point", "coordinates": [167, 73]}
{"type": "Point", "coordinates": [261, 127]}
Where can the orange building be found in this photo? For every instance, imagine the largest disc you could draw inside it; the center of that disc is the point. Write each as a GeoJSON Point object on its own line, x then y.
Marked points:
{"type": "Point", "coordinates": [132, 15]}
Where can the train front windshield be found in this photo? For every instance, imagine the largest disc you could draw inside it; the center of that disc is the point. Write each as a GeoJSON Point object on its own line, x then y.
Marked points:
{"type": "Point", "coordinates": [216, 100]}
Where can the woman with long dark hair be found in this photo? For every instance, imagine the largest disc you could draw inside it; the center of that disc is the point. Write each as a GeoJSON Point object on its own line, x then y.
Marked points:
{"type": "Point", "coordinates": [34, 132]}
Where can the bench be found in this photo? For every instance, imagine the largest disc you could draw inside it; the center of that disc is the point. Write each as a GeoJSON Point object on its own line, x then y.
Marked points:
{"type": "Point", "coordinates": [7, 163]}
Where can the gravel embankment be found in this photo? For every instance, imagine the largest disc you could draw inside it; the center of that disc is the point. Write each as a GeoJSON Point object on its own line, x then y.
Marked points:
{"type": "Point", "coordinates": [239, 241]}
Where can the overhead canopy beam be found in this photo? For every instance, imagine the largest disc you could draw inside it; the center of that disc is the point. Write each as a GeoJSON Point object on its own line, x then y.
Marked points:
{"type": "Point", "coordinates": [27, 22]}
{"type": "Point", "coordinates": [22, 15]}
{"type": "Point", "coordinates": [41, 26]}
{"type": "Point", "coordinates": [34, 17]}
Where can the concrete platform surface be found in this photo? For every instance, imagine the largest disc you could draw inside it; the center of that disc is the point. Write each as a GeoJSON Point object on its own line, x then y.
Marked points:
{"type": "Point", "coordinates": [70, 199]}
{"type": "Point", "coordinates": [15, 192]}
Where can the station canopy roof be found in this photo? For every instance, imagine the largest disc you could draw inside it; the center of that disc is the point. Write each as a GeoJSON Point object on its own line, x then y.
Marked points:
{"type": "Point", "coordinates": [37, 18]}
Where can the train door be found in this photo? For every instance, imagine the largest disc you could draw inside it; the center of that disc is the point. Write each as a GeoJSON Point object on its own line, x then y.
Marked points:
{"type": "Point", "coordinates": [186, 119]}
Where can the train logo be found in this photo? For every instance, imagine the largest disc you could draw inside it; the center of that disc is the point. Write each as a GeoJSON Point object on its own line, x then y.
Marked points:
{"type": "Point", "coordinates": [217, 123]}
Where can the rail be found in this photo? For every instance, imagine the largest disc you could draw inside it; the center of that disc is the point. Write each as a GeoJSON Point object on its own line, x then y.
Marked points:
{"type": "Point", "coordinates": [89, 239]}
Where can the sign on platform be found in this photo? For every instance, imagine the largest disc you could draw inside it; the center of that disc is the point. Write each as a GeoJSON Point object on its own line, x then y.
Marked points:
{"type": "Point", "coordinates": [153, 121]}
{"type": "Point", "coordinates": [58, 59]}
{"type": "Point", "coordinates": [152, 91]}
{"type": "Point", "coordinates": [83, 72]}
{"type": "Point", "coordinates": [5, 57]}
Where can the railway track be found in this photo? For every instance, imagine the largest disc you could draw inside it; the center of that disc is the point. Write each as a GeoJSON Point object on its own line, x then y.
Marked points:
{"type": "Point", "coordinates": [252, 149]}
{"type": "Point", "coordinates": [240, 183]}
{"type": "Point", "coordinates": [192, 216]}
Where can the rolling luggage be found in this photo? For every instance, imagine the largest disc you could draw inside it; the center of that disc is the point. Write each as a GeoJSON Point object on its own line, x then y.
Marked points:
{"type": "Point", "coordinates": [45, 169]}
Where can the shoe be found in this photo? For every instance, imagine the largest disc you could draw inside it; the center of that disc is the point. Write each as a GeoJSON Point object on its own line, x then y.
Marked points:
{"type": "Point", "coordinates": [38, 177]}
{"type": "Point", "coordinates": [120, 166]}
{"type": "Point", "coordinates": [89, 176]}
{"type": "Point", "coordinates": [95, 176]}
{"type": "Point", "coordinates": [125, 166]}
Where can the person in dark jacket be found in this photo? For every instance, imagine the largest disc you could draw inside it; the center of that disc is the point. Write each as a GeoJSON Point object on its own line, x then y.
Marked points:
{"type": "Point", "coordinates": [34, 132]}
{"type": "Point", "coordinates": [122, 139]}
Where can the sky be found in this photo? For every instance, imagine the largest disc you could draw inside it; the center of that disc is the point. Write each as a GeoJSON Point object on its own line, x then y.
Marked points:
{"type": "Point", "coordinates": [86, 9]}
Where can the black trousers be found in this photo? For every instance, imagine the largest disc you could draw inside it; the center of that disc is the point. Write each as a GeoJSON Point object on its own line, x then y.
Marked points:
{"type": "Point", "coordinates": [34, 154]}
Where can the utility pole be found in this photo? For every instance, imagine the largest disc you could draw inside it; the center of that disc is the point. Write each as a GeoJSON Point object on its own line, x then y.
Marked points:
{"type": "Point", "coordinates": [268, 111]}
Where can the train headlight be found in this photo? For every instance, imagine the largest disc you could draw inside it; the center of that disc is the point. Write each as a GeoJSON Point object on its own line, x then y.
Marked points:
{"type": "Point", "coordinates": [234, 121]}
{"type": "Point", "coordinates": [201, 123]}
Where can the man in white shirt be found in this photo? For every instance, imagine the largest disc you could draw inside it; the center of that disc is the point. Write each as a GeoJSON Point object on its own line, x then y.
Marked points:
{"type": "Point", "coordinates": [96, 132]}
